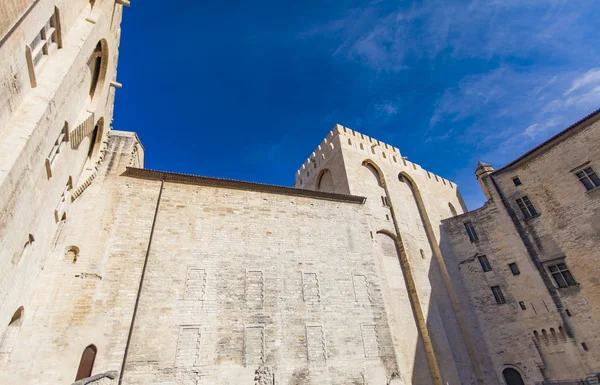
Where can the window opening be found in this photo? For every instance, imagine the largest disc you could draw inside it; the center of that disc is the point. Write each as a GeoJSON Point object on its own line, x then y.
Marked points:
{"type": "Point", "coordinates": [588, 178]}
{"type": "Point", "coordinates": [485, 263]}
{"type": "Point", "coordinates": [514, 268]}
{"type": "Point", "coordinates": [87, 363]}
{"type": "Point", "coordinates": [526, 207]}
{"type": "Point", "coordinates": [498, 295]}
{"type": "Point", "coordinates": [562, 276]}
{"type": "Point", "coordinates": [471, 231]}
{"type": "Point", "coordinates": [522, 304]}
{"type": "Point", "coordinates": [517, 181]}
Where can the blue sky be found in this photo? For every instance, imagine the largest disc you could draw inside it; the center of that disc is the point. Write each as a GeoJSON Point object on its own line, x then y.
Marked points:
{"type": "Point", "coordinates": [246, 90]}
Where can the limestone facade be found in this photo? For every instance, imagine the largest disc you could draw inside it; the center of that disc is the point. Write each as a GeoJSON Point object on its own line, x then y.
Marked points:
{"type": "Point", "coordinates": [360, 274]}
{"type": "Point", "coordinates": [539, 219]}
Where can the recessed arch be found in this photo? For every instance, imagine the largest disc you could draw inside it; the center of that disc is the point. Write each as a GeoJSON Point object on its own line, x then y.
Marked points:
{"type": "Point", "coordinates": [325, 181]}
{"type": "Point", "coordinates": [452, 209]}
{"type": "Point", "coordinates": [375, 170]}
{"type": "Point", "coordinates": [72, 254]}
{"type": "Point", "coordinates": [17, 318]}
{"type": "Point", "coordinates": [97, 67]}
{"type": "Point", "coordinates": [86, 364]}
{"type": "Point", "coordinates": [512, 377]}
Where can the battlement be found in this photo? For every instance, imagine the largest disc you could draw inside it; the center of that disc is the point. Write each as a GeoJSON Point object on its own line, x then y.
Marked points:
{"type": "Point", "coordinates": [373, 148]}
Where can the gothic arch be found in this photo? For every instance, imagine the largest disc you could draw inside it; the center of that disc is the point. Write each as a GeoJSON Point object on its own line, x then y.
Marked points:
{"type": "Point", "coordinates": [512, 376]}
{"type": "Point", "coordinates": [325, 181]}
{"type": "Point", "coordinates": [435, 248]}
{"type": "Point", "coordinates": [98, 66]}
{"type": "Point", "coordinates": [376, 170]}
{"type": "Point", "coordinates": [452, 209]}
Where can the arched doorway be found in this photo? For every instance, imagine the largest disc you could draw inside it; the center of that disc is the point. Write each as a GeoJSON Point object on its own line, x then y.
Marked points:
{"type": "Point", "coordinates": [87, 363]}
{"type": "Point", "coordinates": [512, 377]}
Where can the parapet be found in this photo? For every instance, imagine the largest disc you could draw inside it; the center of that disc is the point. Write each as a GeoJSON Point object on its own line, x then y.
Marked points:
{"type": "Point", "coordinates": [373, 148]}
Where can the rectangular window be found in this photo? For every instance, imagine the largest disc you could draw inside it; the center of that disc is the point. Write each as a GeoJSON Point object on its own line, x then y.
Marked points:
{"type": "Point", "coordinates": [42, 44]}
{"type": "Point", "coordinates": [63, 137]}
{"type": "Point", "coordinates": [497, 291]}
{"type": "Point", "coordinates": [517, 181]}
{"type": "Point", "coordinates": [59, 212]}
{"type": "Point", "coordinates": [562, 276]}
{"type": "Point", "coordinates": [514, 268]}
{"type": "Point", "coordinates": [471, 231]}
{"type": "Point", "coordinates": [526, 207]}
{"type": "Point", "coordinates": [522, 304]}
{"type": "Point", "coordinates": [485, 264]}
{"type": "Point", "coordinates": [588, 178]}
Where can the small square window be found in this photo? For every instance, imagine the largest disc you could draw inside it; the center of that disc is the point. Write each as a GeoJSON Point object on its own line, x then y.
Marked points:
{"type": "Point", "coordinates": [485, 263]}
{"type": "Point", "coordinates": [522, 304]}
{"type": "Point", "coordinates": [568, 312]}
{"type": "Point", "coordinates": [514, 268]}
{"type": "Point", "coordinates": [498, 295]}
{"type": "Point", "coordinates": [588, 178]}
{"type": "Point", "coordinates": [584, 346]}
{"type": "Point", "coordinates": [517, 181]}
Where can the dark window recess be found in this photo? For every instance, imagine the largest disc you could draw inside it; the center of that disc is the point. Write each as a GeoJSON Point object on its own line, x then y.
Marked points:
{"type": "Point", "coordinates": [522, 304]}
{"type": "Point", "coordinates": [588, 178]}
{"type": "Point", "coordinates": [526, 207]}
{"type": "Point", "coordinates": [584, 346]}
{"type": "Point", "coordinates": [514, 268]}
{"type": "Point", "coordinates": [517, 181]}
{"type": "Point", "coordinates": [485, 263]}
{"type": "Point", "coordinates": [87, 363]}
{"type": "Point", "coordinates": [385, 202]}
{"type": "Point", "coordinates": [562, 276]}
{"type": "Point", "coordinates": [498, 295]}
{"type": "Point", "coordinates": [568, 312]}
{"type": "Point", "coordinates": [471, 232]}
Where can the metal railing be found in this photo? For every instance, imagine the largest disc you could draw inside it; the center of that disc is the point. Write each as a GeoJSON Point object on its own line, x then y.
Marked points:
{"type": "Point", "coordinates": [89, 380]}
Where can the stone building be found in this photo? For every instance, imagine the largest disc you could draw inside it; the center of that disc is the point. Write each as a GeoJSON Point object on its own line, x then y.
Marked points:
{"type": "Point", "coordinates": [362, 273]}
{"type": "Point", "coordinates": [529, 257]}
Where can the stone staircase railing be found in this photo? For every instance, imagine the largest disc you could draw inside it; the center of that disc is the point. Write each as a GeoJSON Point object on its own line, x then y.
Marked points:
{"type": "Point", "coordinates": [98, 377]}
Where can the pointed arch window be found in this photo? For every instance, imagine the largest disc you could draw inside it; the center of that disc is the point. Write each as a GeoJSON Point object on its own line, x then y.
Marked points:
{"type": "Point", "coordinates": [86, 364]}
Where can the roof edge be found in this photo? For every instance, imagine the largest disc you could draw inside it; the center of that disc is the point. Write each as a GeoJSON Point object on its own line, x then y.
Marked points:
{"type": "Point", "coordinates": [564, 134]}
{"type": "Point", "coordinates": [173, 177]}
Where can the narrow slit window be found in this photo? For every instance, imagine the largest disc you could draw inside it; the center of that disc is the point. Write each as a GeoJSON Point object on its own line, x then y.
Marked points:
{"type": "Point", "coordinates": [485, 263]}
{"type": "Point", "coordinates": [526, 207]}
{"type": "Point", "coordinates": [514, 268]}
{"type": "Point", "coordinates": [471, 231]}
{"type": "Point", "coordinates": [498, 295]}
{"type": "Point", "coordinates": [562, 276]}
{"type": "Point", "coordinates": [588, 178]}
{"type": "Point", "coordinates": [63, 137]}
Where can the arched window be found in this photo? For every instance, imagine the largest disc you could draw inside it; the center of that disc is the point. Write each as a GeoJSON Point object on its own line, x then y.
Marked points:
{"type": "Point", "coordinates": [452, 209]}
{"type": "Point", "coordinates": [72, 253]}
{"type": "Point", "coordinates": [561, 331]}
{"type": "Point", "coordinates": [10, 335]}
{"type": "Point", "coordinates": [536, 338]}
{"type": "Point", "coordinates": [374, 171]}
{"type": "Point", "coordinates": [97, 65]}
{"type": "Point", "coordinates": [554, 336]}
{"type": "Point", "coordinates": [17, 318]}
{"type": "Point", "coordinates": [422, 254]}
{"type": "Point", "coordinates": [87, 363]}
{"type": "Point", "coordinates": [545, 336]}
{"type": "Point", "coordinates": [325, 181]}
{"type": "Point", "coordinates": [512, 377]}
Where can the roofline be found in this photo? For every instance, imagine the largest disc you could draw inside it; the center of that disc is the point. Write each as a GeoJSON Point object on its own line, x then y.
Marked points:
{"type": "Point", "coordinates": [197, 180]}
{"type": "Point", "coordinates": [563, 135]}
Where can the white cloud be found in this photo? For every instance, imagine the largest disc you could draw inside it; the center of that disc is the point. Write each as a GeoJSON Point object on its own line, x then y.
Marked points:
{"type": "Point", "coordinates": [591, 77]}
